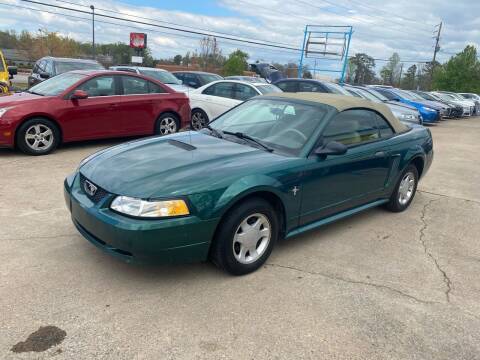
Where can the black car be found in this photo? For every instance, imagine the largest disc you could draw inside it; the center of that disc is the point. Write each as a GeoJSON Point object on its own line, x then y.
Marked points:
{"type": "Point", "coordinates": [309, 85]}
{"type": "Point", "coordinates": [195, 79]}
{"type": "Point", "coordinates": [267, 71]}
{"type": "Point", "coordinates": [454, 110]}
{"type": "Point", "coordinates": [48, 67]}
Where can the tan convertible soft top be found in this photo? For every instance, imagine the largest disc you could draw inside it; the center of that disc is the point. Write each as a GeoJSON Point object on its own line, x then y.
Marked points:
{"type": "Point", "coordinates": [343, 102]}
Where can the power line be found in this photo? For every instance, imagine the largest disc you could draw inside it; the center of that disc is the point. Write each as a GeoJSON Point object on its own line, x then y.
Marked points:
{"type": "Point", "coordinates": [167, 22]}
{"type": "Point", "coordinates": [351, 17]}
{"type": "Point", "coordinates": [385, 12]}
{"type": "Point", "coordinates": [252, 44]}
{"type": "Point", "coordinates": [142, 28]}
{"type": "Point", "coordinates": [252, 41]}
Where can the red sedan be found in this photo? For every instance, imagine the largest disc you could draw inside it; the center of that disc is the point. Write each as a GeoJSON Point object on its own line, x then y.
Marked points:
{"type": "Point", "coordinates": [83, 105]}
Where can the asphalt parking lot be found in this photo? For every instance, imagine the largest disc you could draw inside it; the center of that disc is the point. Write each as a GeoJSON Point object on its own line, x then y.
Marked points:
{"type": "Point", "coordinates": [374, 286]}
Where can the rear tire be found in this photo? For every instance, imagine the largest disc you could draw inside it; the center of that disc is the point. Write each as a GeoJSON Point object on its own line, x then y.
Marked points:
{"type": "Point", "coordinates": [167, 123]}
{"type": "Point", "coordinates": [404, 191]}
{"type": "Point", "coordinates": [245, 237]}
{"type": "Point", "coordinates": [38, 136]}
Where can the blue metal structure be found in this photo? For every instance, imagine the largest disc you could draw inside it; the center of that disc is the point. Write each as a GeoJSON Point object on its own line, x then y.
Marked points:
{"type": "Point", "coordinates": [320, 41]}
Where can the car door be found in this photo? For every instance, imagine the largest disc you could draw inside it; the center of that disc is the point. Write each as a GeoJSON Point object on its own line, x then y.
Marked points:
{"type": "Point", "coordinates": [243, 92]}
{"type": "Point", "coordinates": [136, 105]}
{"type": "Point", "coordinates": [217, 98]}
{"type": "Point", "coordinates": [96, 116]}
{"type": "Point", "coordinates": [341, 182]}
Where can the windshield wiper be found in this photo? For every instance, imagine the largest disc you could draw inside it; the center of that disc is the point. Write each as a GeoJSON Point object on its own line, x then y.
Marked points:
{"type": "Point", "coordinates": [34, 93]}
{"type": "Point", "coordinates": [243, 136]}
{"type": "Point", "coordinates": [215, 132]}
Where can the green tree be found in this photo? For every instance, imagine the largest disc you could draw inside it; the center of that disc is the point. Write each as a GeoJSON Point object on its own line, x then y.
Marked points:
{"type": "Point", "coordinates": [390, 73]}
{"type": "Point", "coordinates": [362, 69]}
{"type": "Point", "coordinates": [460, 74]}
{"type": "Point", "coordinates": [177, 59]}
{"type": "Point", "coordinates": [236, 63]}
{"type": "Point", "coordinates": [408, 81]}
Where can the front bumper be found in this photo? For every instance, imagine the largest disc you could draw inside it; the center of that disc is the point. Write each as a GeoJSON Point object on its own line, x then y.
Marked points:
{"type": "Point", "coordinates": [185, 239]}
{"type": "Point", "coordinates": [7, 135]}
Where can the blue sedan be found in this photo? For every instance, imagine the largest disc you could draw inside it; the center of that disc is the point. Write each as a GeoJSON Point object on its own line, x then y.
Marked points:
{"type": "Point", "coordinates": [430, 113]}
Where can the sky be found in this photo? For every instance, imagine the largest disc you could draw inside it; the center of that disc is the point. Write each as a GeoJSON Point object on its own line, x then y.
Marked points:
{"type": "Point", "coordinates": [380, 27]}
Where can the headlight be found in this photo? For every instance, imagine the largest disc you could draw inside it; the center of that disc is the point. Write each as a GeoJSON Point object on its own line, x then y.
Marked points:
{"type": "Point", "coordinates": [429, 109]}
{"type": "Point", "coordinates": [149, 209]}
{"type": "Point", "coordinates": [4, 110]}
{"type": "Point", "coordinates": [404, 116]}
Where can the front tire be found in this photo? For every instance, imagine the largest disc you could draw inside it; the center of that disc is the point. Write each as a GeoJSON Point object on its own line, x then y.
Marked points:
{"type": "Point", "coordinates": [38, 137]}
{"type": "Point", "coordinates": [246, 237]}
{"type": "Point", "coordinates": [199, 119]}
{"type": "Point", "coordinates": [405, 190]}
{"type": "Point", "coordinates": [166, 124]}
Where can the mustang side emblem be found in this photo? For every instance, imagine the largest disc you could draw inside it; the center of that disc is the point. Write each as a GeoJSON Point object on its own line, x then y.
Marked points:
{"type": "Point", "coordinates": [295, 190]}
{"type": "Point", "coordinates": [89, 188]}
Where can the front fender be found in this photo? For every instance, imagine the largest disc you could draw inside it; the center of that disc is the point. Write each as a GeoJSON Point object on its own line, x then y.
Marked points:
{"type": "Point", "coordinates": [244, 187]}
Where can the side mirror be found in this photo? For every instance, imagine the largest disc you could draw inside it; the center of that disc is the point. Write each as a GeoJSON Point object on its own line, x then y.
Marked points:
{"type": "Point", "coordinates": [44, 75]}
{"type": "Point", "coordinates": [192, 84]}
{"type": "Point", "coordinates": [331, 148]}
{"type": "Point", "coordinates": [78, 95]}
{"type": "Point", "coordinates": [12, 71]}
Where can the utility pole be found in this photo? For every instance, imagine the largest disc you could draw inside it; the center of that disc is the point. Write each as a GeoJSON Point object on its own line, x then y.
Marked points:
{"type": "Point", "coordinates": [437, 46]}
{"type": "Point", "coordinates": [400, 77]}
{"type": "Point", "coordinates": [93, 30]}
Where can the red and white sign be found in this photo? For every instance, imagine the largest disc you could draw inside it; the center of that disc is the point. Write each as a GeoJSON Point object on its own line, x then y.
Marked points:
{"type": "Point", "coordinates": [138, 40]}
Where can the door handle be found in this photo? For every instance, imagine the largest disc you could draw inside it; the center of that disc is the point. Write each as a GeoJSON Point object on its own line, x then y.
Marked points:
{"type": "Point", "coordinates": [113, 106]}
{"type": "Point", "coordinates": [380, 154]}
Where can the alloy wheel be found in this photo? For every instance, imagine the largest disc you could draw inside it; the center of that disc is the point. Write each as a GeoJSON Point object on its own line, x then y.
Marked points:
{"type": "Point", "coordinates": [199, 120]}
{"type": "Point", "coordinates": [168, 125]}
{"type": "Point", "coordinates": [406, 188]}
{"type": "Point", "coordinates": [39, 137]}
{"type": "Point", "coordinates": [251, 238]}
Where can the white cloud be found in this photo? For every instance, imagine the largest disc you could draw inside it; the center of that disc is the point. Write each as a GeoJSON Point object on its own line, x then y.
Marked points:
{"type": "Point", "coordinates": [381, 27]}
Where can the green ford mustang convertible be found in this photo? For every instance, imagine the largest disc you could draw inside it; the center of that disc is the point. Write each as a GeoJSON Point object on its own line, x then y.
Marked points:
{"type": "Point", "coordinates": [273, 167]}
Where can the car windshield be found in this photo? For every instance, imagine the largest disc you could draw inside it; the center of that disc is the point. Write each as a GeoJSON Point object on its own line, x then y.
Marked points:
{"type": "Point", "coordinates": [413, 95]}
{"type": "Point", "coordinates": [268, 89]}
{"type": "Point", "coordinates": [447, 96]}
{"type": "Point", "coordinates": [162, 76]}
{"type": "Point", "coordinates": [208, 78]}
{"type": "Point", "coordinates": [65, 66]}
{"type": "Point", "coordinates": [427, 96]}
{"type": "Point", "coordinates": [456, 96]}
{"type": "Point", "coordinates": [283, 125]}
{"type": "Point", "coordinates": [336, 89]}
{"type": "Point", "coordinates": [367, 95]}
{"type": "Point", "coordinates": [404, 94]}
{"type": "Point", "coordinates": [56, 85]}
{"type": "Point", "coordinates": [376, 94]}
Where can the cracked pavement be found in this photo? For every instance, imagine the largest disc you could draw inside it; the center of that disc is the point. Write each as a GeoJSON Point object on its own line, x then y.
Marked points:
{"type": "Point", "coordinates": [374, 286]}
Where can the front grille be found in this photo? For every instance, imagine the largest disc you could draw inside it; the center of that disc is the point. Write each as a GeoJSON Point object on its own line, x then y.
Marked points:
{"type": "Point", "coordinates": [99, 193]}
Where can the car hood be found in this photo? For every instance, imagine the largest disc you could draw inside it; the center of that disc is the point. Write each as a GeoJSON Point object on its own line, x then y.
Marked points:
{"type": "Point", "coordinates": [398, 107]}
{"type": "Point", "coordinates": [400, 104]}
{"type": "Point", "coordinates": [431, 104]}
{"type": "Point", "coordinates": [16, 98]}
{"type": "Point", "coordinates": [175, 165]}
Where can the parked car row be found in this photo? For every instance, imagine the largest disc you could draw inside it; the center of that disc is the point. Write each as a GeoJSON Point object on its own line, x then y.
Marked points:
{"type": "Point", "coordinates": [289, 161]}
